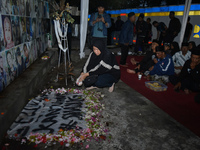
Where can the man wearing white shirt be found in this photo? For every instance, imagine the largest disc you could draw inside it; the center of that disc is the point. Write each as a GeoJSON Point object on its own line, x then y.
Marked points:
{"type": "Point", "coordinates": [181, 57]}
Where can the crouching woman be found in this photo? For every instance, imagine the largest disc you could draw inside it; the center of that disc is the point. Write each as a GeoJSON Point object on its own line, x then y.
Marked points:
{"type": "Point", "coordinates": [101, 69]}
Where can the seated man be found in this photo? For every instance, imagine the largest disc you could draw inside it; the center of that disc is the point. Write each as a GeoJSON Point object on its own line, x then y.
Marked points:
{"type": "Point", "coordinates": [167, 48]}
{"type": "Point", "coordinates": [101, 69]}
{"type": "Point", "coordinates": [181, 57]}
{"type": "Point", "coordinates": [147, 62]}
{"type": "Point", "coordinates": [163, 68]}
{"type": "Point", "coordinates": [189, 79]}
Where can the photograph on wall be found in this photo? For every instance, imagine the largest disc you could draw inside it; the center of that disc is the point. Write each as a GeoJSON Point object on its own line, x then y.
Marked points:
{"type": "Point", "coordinates": [47, 9]}
{"type": "Point", "coordinates": [1, 37]}
{"type": "Point", "coordinates": [7, 31]}
{"type": "Point", "coordinates": [16, 29]}
{"type": "Point", "coordinates": [23, 34]}
{"type": "Point", "coordinates": [6, 7]}
{"type": "Point", "coordinates": [28, 26]}
{"type": "Point", "coordinates": [28, 7]}
{"type": "Point", "coordinates": [33, 50]}
{"type": "Point", "coordinates": [11, 65]}
{"type": "Point", "coordinates": [3, 73]}
{"type": "Point", "coordinates": [15, 7]}
{"type": "Point", "coordinates": [26, 51]}
{"type": "Point", "coordinates": [47, 26]}
{"type": "Point", "coordinates": [33, 28]}
{"type": "Point", "coordinates": [22, 6]}
{"type": "Point", "coordinates": [41, 9]}
{"type": "Point", "coordinates": [19, 59]}
{"type": "Point", "coordinates": [39, 46]}
{"type": "Point", "coordinates": [32, 9]}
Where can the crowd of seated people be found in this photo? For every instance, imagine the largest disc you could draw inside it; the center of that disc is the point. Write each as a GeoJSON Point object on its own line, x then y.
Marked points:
{"type": "Point", "coordinates": [169, 64]}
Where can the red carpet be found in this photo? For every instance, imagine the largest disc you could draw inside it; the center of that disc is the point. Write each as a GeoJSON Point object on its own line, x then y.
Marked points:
{"type": "Point", "coordinates": [178, 105]}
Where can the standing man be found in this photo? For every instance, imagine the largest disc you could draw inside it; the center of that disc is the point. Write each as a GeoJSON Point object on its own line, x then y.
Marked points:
{"type": "Point", "coordinates": [126, 37]}
{"type": "Point", "coordinates": [100, 21]}
{"type": "Point", "coordinates": [118, 27]}
{"type": "Point", "coordinates": [188, 31]}
{"type": "Point", "coordinates": [149, 31]}
{"type": "Point", "coordinates": [173, 29]}
{"type": "Point", "coordinates": [161, 30]}
{"type": "Point", "coordinates": [141, 29]}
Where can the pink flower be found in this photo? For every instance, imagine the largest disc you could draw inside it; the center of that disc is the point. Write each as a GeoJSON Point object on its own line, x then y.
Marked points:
{"type": "Point", "coordinates": [87, 146]}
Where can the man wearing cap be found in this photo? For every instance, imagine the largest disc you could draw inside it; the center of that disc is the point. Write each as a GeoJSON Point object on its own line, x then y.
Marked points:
{"type": "Point", "coordinates": [161, 30]}
{"type": "Point", "coordinates": [181, 57]}
{"type": "Point", "coordinates": [100, 21]}
{"type": "Point", "coordinates": [189, 79]}
{"type": "Point", "coordinates": [126, 37]}
{"type": "Point", "coordinates": [163, 68]}
{"type": "Point", "coordinates": [141, 29]}
{"type": "Point", "coordinates": [147, 62]}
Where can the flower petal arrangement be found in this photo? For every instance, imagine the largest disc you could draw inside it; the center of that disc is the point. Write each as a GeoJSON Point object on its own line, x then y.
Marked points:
{"type": "Point", "coordinates": [91, 114]}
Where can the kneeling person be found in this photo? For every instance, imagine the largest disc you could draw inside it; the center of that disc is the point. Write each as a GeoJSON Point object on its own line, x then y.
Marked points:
{"type": "Point", "coordinates": [101, 69]}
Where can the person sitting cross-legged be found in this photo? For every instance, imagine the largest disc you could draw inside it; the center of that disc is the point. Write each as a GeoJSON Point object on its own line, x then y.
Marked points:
{"type": "Point", "coordinates": [181, 57]}
{"type": "Point", "coordinates": [101, 69]}
{"type": "Point", "coordinates": [189, 78]}
{"type": "Point", "coordinates": [163, 68]}
{"type": "Point", "coordinates": [147, 61]}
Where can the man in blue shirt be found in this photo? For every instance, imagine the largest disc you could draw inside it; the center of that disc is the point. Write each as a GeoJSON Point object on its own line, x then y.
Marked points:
{"type": "Point", "coordinates": [126, 37]}
{"type": "Point", "coordinates": [163, 68]}
{"type": "Point", "coordinates": [100, 21]}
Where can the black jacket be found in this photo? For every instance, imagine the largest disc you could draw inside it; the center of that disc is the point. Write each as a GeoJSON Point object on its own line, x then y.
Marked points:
{"type": "Point", "coordinates": [187, 72]}
{"type": "Point", "coordinates": [174, 26]}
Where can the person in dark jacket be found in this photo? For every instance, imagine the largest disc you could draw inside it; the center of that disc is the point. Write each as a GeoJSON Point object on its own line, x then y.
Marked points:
{"type": "Point", "coordinates": [100, 22]}
{"type": "Point", "coordinates": [173, 29]}
{"type": "Point", "coordinates": [118, 27]}
{"type": "Point", "coordinates": [188, 31]}
{"type": "Point", "coordinates": [149, 31]}
{"type": "Point", "coordinates": [147, 62]}
{"type": "Point", "coordinates": [126, 38]}
{"type": "Point", "coordinates": [192, 45]}
{"type": "Point", "coordinates": [102, 64]}
{"type": "Point", "coordinates": [163, 68]}
{"type": "Point", "coordinates": [141, 29]}
{"type": "Point", "coordinates": [189, 78]}
{"type": "Point", "coordinates": [174, 48]}
{"type": "Point", "coordinates": [161, 30]}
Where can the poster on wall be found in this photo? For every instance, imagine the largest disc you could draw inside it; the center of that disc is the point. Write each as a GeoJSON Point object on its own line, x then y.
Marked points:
{"type": "Point", "coordinates": [32, 8]}
{"type": "Point", "coordinates": [19, 59]}
{"type": "Point", "coordinates": [15, 7]}
{"type": "Point", "coordinates": [6, 7]}
{"type": "Point", "coordinates": [22, 6]}
{"type": "Point", "coordinates": [7, 31]}
{"type": "Point", "coordinates": [34, 50]}
{"type": "Point", "coordinates": [26, 51]}
{"type": "Point", "coordinates": [39, 46]}
{"type": "Point", "coordinates": [1, 37]}
{"type": "Point", "coordinates": [11, 68]}
{"type": "Point", "coordinates": [23, 34]}
{"type": "Point", "coordinates": [28, 8]}
{"type": "Point", "coordinates": [28, 27]}
{"type": "Point", "coordinates": [16, 29]}
{"type": "Point", "coordinates": [33, 28]}
{"type": "Point", "coordinates": [47, 9]}
{"type": "Point", "coordinates": [3, 73]}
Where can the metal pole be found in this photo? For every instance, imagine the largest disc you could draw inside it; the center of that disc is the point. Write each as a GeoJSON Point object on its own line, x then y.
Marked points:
{"type": "Point", "coordinates": [184, 20]}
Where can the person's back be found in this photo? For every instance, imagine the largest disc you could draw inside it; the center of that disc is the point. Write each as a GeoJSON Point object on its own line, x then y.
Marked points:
{"type": "Point", "coordinates": [118, 24]}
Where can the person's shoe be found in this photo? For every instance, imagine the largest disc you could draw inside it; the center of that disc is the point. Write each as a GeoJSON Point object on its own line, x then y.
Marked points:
{"type": "Point", "coordinates": [111, 89]}
{"type": "Point", "coordinates": [119, 53]}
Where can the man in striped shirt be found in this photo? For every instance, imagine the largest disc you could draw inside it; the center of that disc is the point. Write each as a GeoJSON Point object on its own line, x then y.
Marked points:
{"type": "Point", "coordinates": [181, 57]}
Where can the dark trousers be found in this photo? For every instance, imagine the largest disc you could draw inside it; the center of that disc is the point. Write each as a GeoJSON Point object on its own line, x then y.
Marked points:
{"type": "Point", "coordinates": [124, 54]}
{"type": "Point", "coordinates": [169, 38]}
{"type": "Point", "coordinates": [97, 38]}
{"type": "Point", "coordinates": [186, 83]}
{"type": "Point", "coordinates": [139, 44]}
{"type": "Point", "coordinates": [105, 80]}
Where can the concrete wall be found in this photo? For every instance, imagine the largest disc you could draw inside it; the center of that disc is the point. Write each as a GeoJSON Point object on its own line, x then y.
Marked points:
{"type": "Point", "coordinates": [24, 25]}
